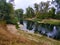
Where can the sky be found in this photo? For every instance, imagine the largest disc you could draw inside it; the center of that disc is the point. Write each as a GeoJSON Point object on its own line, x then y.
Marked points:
{"type": "Point", "coordinates": [25, 3]}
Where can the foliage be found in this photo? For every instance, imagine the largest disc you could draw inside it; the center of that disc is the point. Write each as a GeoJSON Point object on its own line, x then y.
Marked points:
{"type": "Point", "coordinates": [57, 5]}
{"type": "Point", "coordinates": [36, 6]}
{"type": "Point", "coordinates": [6, 11]}
{"type": "Point", "coordinates": [42, 10]}
{"type": "Point", "coordinates": [51, 13]}
{"type": "Point", "coordinates": [57, 16]}
{"type": "Point", "coordinates": [30, 12]}
{"type": "Point", "coordinates": [19, 13]}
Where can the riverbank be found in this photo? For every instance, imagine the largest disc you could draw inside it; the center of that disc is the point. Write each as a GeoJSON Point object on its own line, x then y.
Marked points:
{"type": "Point", "coordinates": [39, 39]}
{"type": "Point", "coordinates": [45, 21]}
{"type": "Point", "coordinates": [12, 36]}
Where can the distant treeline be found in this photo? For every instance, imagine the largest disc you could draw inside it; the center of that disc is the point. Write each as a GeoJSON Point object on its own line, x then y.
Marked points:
{"type": "Point", "coordinates": [40, 11]}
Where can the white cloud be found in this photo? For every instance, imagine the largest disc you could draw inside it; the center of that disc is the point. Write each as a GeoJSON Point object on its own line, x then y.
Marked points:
{"type": "Point", "coordinates": [25, 3]}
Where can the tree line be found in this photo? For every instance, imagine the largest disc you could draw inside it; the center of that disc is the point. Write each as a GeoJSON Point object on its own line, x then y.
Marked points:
{"type": "Point", "coordinates": [40, 11]}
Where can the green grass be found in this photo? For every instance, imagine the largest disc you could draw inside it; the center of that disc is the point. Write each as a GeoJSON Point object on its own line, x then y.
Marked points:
{"type": "Point", "coordinates": [51, 21]}
{"type": "Point", "coordinates": [46, 21]}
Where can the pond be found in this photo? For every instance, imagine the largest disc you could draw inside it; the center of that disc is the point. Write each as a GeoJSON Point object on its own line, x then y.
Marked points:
{"type": "Point", "coordinates": [52, 31]}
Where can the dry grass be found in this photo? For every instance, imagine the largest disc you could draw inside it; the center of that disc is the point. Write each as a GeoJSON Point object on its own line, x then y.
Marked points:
{"type": "Point", "coordinates": [24, 38]}
{"type": "Point", "coordinates": [39, 39]}
{"type": "Point", "coordinates": [8, 38]}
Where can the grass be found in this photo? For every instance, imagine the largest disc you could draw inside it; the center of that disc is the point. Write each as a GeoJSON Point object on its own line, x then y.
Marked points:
{"type": "Point", "coordinates": [51, 21]}
{"type": "Point", "coordinates": [46, 21]}
{"type": "Point", "coordinates": [7, 38]}
{"type": "Point", "coordinates": [39, 39]}
{"type": "Point", "coordinates": [24, 38]}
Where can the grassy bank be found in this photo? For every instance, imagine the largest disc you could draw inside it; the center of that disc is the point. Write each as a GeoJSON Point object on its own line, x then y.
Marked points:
{"type": "Point", "coordinates": [50, 21]}
{"type": "Point", "coordinates": [45, 21]}
{"type": "Point", "coordinates": [37, 39]}
{"type": "Point", "coordinates": [21, 37]}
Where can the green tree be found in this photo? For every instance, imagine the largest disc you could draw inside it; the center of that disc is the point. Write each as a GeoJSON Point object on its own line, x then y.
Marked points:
{"type": "Point", "coordinates": [30, 12]}
{"type": "Point", "coordinates": [44, 7]}
{"type": "Point", "coordinates": [43, 10]}
{"type": "Point", "coordinates": [6, 11]}
{"type": "Point", "coordinates": [2, 8]}
{"type": "Point", "coordinates": [9, 12]}
{"type": "Point", "coordinates": [53, 12]}
{"type": "Point", "coordinates": [36, 6]}
{"type": "Point", "coordinates": [57, 16]}
{"type": "Point", "coordinates": [19, 13]}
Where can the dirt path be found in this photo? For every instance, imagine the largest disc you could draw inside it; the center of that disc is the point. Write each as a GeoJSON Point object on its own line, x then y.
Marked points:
{"type": "Point", "coordinates": [12, 29]}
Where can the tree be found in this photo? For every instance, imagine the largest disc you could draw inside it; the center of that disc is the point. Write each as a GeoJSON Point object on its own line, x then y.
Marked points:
{"type": "Point", "coordinates": [2, 5]}
{"type": "Point", "coordinates": [36, 7]}
{"type": "Point", "coordinates": [57, 4]}
{"type": "Point", "coordinates": [9, 12]}
{"type": "Point", "coordinates": [30, 12]}
{"type": "Point", "coordinates": [51, 13]}
{"type": "Point", "coordinates": [43, 8]}
{"type": "Point", "coordinates": [6, 11]}
{"type": "Point", "coordinates": [19, 13]}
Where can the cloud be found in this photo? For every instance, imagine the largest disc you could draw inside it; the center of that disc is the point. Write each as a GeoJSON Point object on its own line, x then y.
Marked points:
{"type": "Point", "coordinates": [25, 3]}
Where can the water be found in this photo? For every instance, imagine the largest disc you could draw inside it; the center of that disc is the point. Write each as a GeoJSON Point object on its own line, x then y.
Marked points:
{"type": "Point", "coordinates": [26, 28]}
{"type": "Point", "coordinates": [51, 31]}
